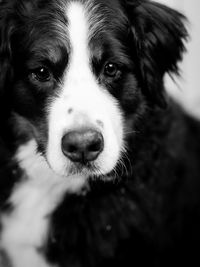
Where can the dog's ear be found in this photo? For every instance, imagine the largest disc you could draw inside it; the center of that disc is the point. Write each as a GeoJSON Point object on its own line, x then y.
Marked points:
{"type": "Point", "coordinates": [159, 34]}
{"type": "Point", "coordinates": [6, 29]}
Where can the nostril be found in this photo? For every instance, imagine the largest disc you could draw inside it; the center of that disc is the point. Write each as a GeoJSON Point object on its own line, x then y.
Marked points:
{"type": "Point", "coordinates": [95, 146]}
{"type": "Point", "coordinates": [71, 148]}
{"type": "Point", "coordinates": [82, 145]}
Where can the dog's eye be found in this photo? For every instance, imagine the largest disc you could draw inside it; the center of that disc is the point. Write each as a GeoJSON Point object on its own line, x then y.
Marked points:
{"type": "Point", "coordinates": [111, 69]}
{"type": "Point", "coordinates": [42, 74]}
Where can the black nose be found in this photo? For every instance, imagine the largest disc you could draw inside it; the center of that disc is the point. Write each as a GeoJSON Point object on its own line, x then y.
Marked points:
{"type": "Point", "coordinates": [83, 145]}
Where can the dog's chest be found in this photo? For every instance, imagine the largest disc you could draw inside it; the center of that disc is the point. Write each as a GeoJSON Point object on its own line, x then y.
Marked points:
{"type": "Point", "coordinates": [34, 198]}
{"type": "Point", "coordinates": [24, 229]}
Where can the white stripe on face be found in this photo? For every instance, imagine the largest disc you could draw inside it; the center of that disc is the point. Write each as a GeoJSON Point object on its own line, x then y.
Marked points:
{"type": "Point", "coordinates": [82, 102]}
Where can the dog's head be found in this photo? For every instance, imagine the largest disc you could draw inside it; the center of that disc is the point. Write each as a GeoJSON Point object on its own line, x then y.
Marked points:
{"type": "Point", "coordinates": [76, 70]}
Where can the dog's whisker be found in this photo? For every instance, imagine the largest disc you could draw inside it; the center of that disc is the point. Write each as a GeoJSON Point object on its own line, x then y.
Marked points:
{"type": "Point", "coordinates": [131, 132]}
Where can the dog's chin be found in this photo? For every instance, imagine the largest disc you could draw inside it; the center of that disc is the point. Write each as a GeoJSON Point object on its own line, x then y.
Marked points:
{"type": "Point", "coordinates": [69, 169]}
{"type": "Point", "coordinates": [84, 169]}
{"type": "Point", "coordinates": [88, 171]}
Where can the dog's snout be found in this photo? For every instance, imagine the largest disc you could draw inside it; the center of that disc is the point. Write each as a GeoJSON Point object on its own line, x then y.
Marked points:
{"type": "Point", "coordinates": [82, 145]}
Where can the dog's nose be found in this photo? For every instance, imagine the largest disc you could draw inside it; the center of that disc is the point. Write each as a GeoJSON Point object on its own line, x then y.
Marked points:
{"type": "Point", "coordinates": [83, 145]}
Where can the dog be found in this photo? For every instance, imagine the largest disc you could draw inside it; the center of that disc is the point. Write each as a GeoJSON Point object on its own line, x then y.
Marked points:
{"type": "Point", "coordinates": [98, 165]}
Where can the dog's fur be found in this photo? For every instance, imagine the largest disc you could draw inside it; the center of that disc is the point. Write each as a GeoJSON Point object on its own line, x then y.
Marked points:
{"type": "Point", "coordinates": [138, 202]}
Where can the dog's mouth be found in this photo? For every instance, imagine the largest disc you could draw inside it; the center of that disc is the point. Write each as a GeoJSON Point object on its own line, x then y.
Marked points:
{"type": "Point", "coordinates": [87, 168]}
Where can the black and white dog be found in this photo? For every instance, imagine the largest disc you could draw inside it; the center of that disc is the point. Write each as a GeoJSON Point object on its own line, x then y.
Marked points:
{"type": "Point", "coordinates": [98, 167]}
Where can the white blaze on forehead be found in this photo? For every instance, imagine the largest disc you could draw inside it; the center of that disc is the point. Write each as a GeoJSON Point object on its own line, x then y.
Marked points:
{"type": "Point", "coordinates": [85, 21]}
{"type": "Point", "coordinates": [78, 34]}
{"type": "Point", "coordinates": [79, 80]}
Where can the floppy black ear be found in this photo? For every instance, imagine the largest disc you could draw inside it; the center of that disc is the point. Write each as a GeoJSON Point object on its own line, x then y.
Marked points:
{"type": "Point", "coordinates": [5, 56]}
{"type": "Point", "coordinates": [159, 34]}
{"type": "Point", "coordinates": [6, 29]}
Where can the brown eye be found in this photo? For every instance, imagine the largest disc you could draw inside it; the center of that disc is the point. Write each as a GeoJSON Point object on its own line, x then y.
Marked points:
{"type": "Point", "coordinates": [42, 74]}
{"type": "Point", "coordinates": [111, 69]}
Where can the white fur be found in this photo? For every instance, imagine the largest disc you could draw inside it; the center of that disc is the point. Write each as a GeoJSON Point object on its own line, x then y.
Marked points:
{"type": "Point", "coordinates": [89, 101]}
{"type": "Point", "coordinates": [24, 230]}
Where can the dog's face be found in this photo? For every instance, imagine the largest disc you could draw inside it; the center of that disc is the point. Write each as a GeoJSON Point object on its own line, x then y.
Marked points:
{"type": "Point", "coordinates": [77, 71]}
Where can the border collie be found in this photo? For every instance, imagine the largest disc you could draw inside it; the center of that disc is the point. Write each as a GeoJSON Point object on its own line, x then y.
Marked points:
{"type": "Point", "coordinates": [98, 167]}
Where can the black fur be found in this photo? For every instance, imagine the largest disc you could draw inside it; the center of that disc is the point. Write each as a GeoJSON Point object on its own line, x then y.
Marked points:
{"type": "Point", "coordinates": [150, 215]}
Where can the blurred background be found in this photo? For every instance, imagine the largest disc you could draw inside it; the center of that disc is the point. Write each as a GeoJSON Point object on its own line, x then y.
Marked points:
{"type": "Point", "coordinates": [186, 89]}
